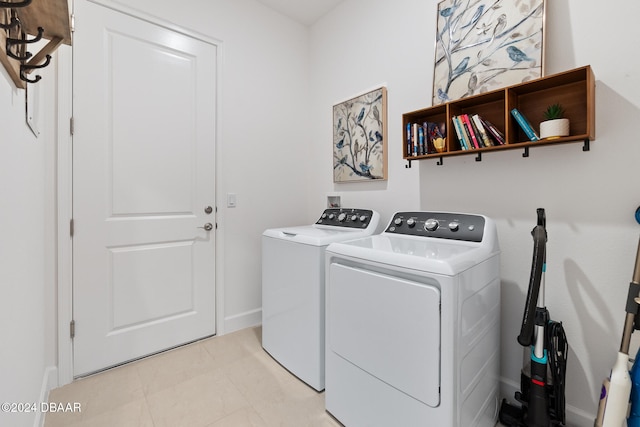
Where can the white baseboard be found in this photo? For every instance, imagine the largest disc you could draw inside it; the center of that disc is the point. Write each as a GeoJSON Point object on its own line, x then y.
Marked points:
{"type": "Point", "coordinates": [244, 320]}
{"type": "Point", "coordinates": [574, 417]}
{"type": "Point", "coordinates": [49, 382]}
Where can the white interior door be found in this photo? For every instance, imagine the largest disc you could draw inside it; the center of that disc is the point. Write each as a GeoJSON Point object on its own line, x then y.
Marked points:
{"type": "Point", "coordinates": [143, 176]}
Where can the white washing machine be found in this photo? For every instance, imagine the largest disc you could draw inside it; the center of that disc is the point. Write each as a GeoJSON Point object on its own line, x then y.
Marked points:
{"type": "Point", "coordinates": [293, 317]}
{"type": "Point", "coordinates": [413, 324]}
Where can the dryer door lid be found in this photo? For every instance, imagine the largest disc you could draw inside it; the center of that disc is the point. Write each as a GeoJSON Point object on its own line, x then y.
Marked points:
{"type": "Point", "coordinates": [387, 326]}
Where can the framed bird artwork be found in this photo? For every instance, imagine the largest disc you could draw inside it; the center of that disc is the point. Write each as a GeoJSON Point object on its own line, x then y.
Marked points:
{"type": "Point", "coordinates": [483, 45]}
{"type": "Point", "coordinates": [360, 138]}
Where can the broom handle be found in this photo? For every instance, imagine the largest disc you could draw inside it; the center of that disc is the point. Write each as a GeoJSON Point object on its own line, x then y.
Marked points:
{"type": "Point", "coordinates": [633, 299]}
{"type": "Point", "coordinates": [636, 270]}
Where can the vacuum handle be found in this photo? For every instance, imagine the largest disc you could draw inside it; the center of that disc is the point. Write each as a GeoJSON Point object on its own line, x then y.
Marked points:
{"type": "Point", "coordinates": [542, 219]}
{"type": "Point", "coordinates": [539, 252]}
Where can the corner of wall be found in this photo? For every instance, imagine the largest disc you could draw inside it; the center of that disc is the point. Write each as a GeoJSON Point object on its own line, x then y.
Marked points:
{"type": "Point", "coordinates": [49, 382]}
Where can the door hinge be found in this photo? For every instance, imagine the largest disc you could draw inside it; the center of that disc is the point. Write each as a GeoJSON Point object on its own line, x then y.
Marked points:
{"type": "Point", "coordinates": [71, 126]}
{"type": "Point", "coordinates": [71, 227]}
{"type": "Point", "coordinates": [72, 329]}
{"type": "Point", "coordinates": [73, 22]}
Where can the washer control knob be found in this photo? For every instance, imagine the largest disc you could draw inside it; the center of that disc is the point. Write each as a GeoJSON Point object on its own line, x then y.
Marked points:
{"type": "Point", "coordinates": [342, 217]}
{"type": "Point", "coordinates": [354, 218]}
{"type": "Point", "coordinates": [332, 216]}
{"type": "Point", "coordinates": [454, 225]}
{"type": "Point", "coordinates": [397, 221]}
{"type": "Point", "coordinates": [431, 224]}
{"type": "Point", "coordinates": [363, 218]}
{"type": "Point", "coordinates": [411, 222]}
{"type": "Point", "coordinates": [324, 215]}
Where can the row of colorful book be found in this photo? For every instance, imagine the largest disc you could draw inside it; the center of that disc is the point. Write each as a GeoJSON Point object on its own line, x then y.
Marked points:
{"type": "Point", "coordinates": [475, 132]}
{"type": "Point", "coordinates": [426, 138]}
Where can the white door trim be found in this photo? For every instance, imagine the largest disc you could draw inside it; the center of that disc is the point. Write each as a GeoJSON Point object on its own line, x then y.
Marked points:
{"type": "Point", "coordinates": [64, 211]}
{"type": "Point", "coordinates": [64, 84]}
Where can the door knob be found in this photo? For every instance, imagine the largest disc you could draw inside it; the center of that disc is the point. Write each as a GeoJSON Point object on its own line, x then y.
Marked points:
{"type": "Point", "coordinates": [208, 226]}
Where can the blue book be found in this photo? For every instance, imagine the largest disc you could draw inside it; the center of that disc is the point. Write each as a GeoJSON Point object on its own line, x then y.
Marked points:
{"type": "Point", "coordinates": [460, 133]}
{"type": "Point", "coordinates": [525, 125]}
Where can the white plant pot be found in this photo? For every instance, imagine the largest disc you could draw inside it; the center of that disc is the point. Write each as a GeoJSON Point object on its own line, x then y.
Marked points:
{"type": "Point", "coordinates": [554, 128]}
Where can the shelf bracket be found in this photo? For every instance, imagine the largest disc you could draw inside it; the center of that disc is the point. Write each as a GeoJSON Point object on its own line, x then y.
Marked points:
{"type": "Point", "coordinates": [586, 146]}
{"type": "Point", "coordinates": [479, 157]}
{"type": "Point", "coordinates": [526, 152]}
{"type": "Point", "coordinates": [439, 162]}
{"type": "Point", "coordinates": [408, 165]}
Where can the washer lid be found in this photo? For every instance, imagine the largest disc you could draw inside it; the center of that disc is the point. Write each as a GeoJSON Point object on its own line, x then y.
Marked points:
{"type": "Point", "coordinates": [439, 256]}
{"type": "Point", "coordinates": [315, 236]}
{"type": "Point", "coordinates": [334, 225]}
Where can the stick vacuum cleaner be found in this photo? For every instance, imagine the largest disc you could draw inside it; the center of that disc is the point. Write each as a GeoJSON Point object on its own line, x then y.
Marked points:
{"type": "Point", "coordinates": [542, 378]}
{"type": "Point", "coordinates": [616, 390]}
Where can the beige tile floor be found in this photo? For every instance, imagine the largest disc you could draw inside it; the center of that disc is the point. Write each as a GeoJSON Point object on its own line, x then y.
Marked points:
{"type": "Point", "coordinates": [218, 382]}
{"type": "Point", "coordinates": [226, 381]}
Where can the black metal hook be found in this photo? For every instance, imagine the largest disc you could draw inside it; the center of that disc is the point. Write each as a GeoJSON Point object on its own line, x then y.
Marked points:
{"type": "Point", "coordinates": [12, 5]}
{"type": "Point", "coordinates": [14, 41]}
{"type": "Point", "coordinates": [33, 67]}
{"type": "Point", "coordinates": [14, 56]}
{"type": "Point", "coordinates": [37, 38]}
{"type": "Point", "coordinates": [14, 23]}
{"type": "Point", "coordinates": [24, 67]}
{"type": "Point", "coordinates": [26, 79]}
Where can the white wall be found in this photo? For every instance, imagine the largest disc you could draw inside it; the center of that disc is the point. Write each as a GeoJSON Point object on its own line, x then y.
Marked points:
{"type": "Point", "coordinates": [357, 47]}
{"type": "Point", "coordinates": [589, 197]}
{"type": "Point", "coordinates": [27, 259]}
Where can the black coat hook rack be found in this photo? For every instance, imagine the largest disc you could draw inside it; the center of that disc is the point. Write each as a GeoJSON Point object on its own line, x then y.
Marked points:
{"type": "Point", "coordinates": [23, 23]}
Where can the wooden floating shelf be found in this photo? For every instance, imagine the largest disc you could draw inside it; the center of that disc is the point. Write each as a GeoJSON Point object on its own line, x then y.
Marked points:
{"type": "Point", "coordinates": [574, 89]}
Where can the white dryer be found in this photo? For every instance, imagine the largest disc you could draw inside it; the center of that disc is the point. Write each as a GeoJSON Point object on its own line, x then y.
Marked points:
{"type": "Point", "coordinates": [293, 317]}
{"type": "Point", "coordinates": [413, 324]}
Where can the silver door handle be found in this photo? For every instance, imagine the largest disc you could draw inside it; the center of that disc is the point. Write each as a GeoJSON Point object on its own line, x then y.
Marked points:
{"type": "Point", "coordinates": [208, 226]}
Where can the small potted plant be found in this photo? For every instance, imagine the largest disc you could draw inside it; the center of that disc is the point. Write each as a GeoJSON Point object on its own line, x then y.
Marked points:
{"type": "Point", "coordinates": [555, 124]}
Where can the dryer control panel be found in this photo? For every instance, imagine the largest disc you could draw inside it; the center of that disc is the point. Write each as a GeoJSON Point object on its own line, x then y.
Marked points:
{"type": "Point", "coordinates": [344, 217]}
{"type": "Point", "coordinates": [443, 225]}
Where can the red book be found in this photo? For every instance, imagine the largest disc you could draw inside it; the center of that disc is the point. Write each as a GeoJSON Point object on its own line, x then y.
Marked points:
{"type": "Point", "coordinates": [469, 128]}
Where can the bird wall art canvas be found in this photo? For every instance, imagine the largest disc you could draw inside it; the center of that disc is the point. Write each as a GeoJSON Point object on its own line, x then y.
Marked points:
{"type": "Point", "coordinates": [483, 45]}
{"type": "Point", "coordinates": [360, 138]}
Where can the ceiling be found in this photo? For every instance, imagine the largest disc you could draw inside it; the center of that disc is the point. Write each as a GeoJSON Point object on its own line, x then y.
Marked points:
{"type": "Point", "coordinates": [304, 11]}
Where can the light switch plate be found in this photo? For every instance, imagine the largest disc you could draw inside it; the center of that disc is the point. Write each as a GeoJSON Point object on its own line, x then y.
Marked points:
{"type": "Point", "coordinates": [231, 200]}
